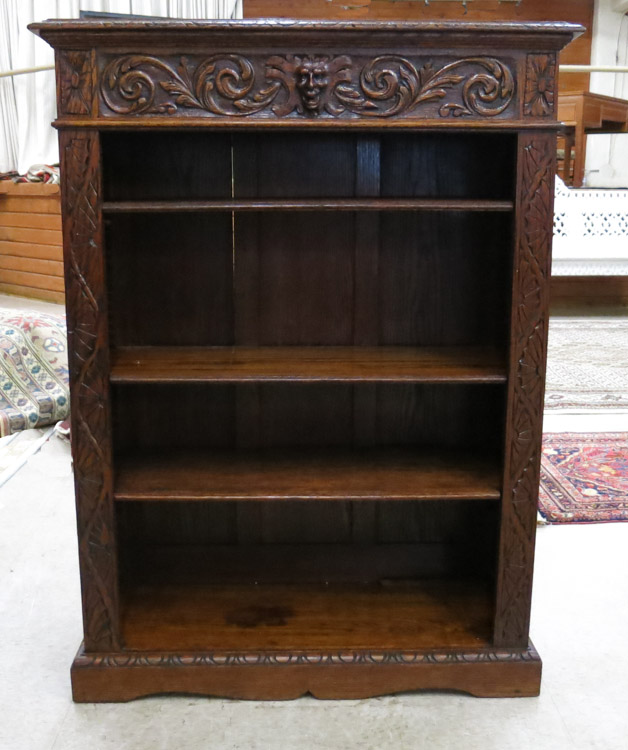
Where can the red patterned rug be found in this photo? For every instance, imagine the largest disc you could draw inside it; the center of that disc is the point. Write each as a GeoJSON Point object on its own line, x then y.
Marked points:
{"type": "Point", "coordinates": [584, 477]}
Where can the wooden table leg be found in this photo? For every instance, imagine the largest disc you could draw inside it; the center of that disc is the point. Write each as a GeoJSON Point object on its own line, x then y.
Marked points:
{"type": "Point", "coordinates": [569, 142]}
{"type": "Point", "coordinates": [580, 155]}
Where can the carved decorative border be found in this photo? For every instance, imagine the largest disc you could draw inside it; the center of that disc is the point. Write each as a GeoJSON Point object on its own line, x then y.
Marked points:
{"type": "Point", "coordinates": [294, 658]}
{"type": "Point", "coordinates": [537, 155]}
{"type": "Point", "coordinates": [74, 72]}
{"type": "Point", "coordinates": [89, 368]}
{"type": "Point", "coordinates": [331, 86]}
{"type": "Point", "coordinates": [539, 95]}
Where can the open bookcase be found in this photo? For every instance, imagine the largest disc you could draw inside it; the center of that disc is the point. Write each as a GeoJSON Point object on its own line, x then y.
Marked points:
{"type": "Point", "coordinates": [307, 316]}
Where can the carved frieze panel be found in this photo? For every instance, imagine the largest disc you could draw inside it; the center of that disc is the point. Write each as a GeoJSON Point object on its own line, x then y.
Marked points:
{"type": "Point", "coordinates": [306, 85]}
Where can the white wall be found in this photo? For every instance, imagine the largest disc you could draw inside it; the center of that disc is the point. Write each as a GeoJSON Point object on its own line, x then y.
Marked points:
{"type": "Point", "coordinates": [607, 155]}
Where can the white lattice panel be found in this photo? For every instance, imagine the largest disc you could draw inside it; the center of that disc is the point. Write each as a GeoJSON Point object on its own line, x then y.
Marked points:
{"type": "Point", "coordinates": [590, 231]}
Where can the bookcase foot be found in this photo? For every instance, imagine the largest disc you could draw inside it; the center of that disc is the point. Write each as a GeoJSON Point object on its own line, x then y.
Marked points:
{"type": "Point", "coordinates": [124, 676]}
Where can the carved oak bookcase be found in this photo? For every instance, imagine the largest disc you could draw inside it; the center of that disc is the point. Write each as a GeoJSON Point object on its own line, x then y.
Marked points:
{"type": "Point", "coordinates": [307, 272]}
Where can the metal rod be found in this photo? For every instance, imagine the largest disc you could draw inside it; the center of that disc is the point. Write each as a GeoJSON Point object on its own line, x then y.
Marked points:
{"type": "Point", "coordinates": [593, 68]}
{"type": "Point", "coordinates": [563, 68]}
{"type": "Point", "coordinates": [21, 71]}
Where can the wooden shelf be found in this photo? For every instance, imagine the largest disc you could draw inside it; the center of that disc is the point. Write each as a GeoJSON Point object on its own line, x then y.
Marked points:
{"type": "Point", "coordinates": [309, 204]}
{"type": "Point", "coordinates": [197, 617]}
{"type": "Point", "coordinates": [369, 474]}
{"type": "Point", "coordinates": [308, 364]}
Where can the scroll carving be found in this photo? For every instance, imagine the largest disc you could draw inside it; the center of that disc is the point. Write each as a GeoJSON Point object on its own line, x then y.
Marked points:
{"type": "Point", "coordinates": [312, 85]}
{"type": "Point", "coordinates": [390, 85]}
{"type": "Point", "coordinates": [87, 339]}
{"type": "Point", "coordinates": [529, 337]}
{"type": "Point", "coordinates": [75, 82]}
{"type": "Point", "coordinates": [538, 100]}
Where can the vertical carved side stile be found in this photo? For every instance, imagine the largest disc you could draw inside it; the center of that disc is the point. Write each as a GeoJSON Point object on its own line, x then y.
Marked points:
{"type": "Point", "coordinates": [529, 320]}
{"type": "Point", "coordinates": [89, 386]}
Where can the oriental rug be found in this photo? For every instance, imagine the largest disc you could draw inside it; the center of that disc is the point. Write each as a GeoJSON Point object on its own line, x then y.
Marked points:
{"type": "Point", "coordinates": [584, 477]}
{"type": "Point", "coordinates": [33, 370]}
{"type": "Point", "coordinates": [587, 364]}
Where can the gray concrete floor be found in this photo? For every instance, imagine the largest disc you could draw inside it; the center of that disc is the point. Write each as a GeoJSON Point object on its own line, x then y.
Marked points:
{"type": "Point", "coordinates": [579, 626]}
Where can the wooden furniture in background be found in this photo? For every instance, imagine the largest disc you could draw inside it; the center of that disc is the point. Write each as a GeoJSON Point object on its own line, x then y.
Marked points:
{"type": "Point", "coordinates": [584, 113]}
{"type": "Point", "coordinates": [31, 249]}
{"type": "Point", "coordinates": [589, 291]}
{"type": "Point", "coordinates": [307, 351]}
{"type": "Point", "coordinates": [574, 11]}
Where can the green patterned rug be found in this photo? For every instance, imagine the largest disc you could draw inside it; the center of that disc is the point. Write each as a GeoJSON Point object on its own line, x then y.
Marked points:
{"type": "Point", "coordinates": [33, 370]}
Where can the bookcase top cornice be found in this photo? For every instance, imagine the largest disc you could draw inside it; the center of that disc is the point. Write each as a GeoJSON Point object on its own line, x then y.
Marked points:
{"type": "Point", "coordinates": [74, 32]}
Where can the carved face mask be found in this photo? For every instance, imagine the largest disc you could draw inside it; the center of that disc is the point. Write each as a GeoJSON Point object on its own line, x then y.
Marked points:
{"type": "Point", "coordinates": [312, 79]}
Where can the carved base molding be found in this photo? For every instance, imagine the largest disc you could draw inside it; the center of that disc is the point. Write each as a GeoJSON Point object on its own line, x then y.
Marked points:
{"type": "Point", "coordinates": [486, 673]}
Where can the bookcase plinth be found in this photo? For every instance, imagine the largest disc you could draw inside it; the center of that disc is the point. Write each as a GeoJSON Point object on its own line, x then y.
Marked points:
{"type": "Point", "coordinates": [483, 673]}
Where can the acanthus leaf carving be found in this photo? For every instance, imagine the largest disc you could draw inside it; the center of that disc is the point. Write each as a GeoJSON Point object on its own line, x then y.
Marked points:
{"type": "Point", "coordinates": [230, 84]}
{"type": "Point", "coordinates": [391, 77]}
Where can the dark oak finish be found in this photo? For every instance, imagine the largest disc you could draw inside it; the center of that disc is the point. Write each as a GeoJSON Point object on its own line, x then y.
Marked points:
{"type": "Point", "coordinates": [307, 353]}
{"type": "Point", "coordinates": [375, 204]}
{"type": "Point", "coordinates": [89, 387]}
{"type": "Point", "coordinates": [307, 617]}
{"type": "Point", "coordinates": [486, 673]}
{"type": "Point", "coordinates": [307, 364]}
{"type": "Point", "coordinates": [306, 475]}
{"type": "Point", "coordinates": [526, 388]}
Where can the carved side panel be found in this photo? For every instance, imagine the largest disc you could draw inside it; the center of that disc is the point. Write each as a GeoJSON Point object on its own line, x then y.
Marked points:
{"type": "Point", "coordinates": [89, 386]}
{"type": "Point", "coordinates": [526, 386]}
{"type": "Point", "coordinates": [306, 85]}
{"type": "Point", "coordinates": [538, 99]}
{"type": "Point", "coordinates": [74, 76]}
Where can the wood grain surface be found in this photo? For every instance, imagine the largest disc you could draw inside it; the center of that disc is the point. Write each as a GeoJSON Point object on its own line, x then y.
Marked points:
{"type": "Point", "coordinates": [307, 364]}
{"type": "Point", "coordinates": [321, 475]}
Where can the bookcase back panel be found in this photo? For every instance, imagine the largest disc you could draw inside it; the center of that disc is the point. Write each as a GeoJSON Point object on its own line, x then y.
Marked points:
{"type": "Point", "coordinates": [166, 166]}
{"type": "Point", "coordinates": [297, 273]}
{"type": "Point", "coordinates": [335, 278]}
{"type": "Point", "coordinates": [343, 165]}
{"type": "Point", "coordinates": [319, 278]}
{"type": "Point", "coordinates": [476, 165]}
{"type": "Point", "coordinates": [294, 165]}
{"type": "Point", "coordinates": [173, 417]}
{"type": "Point", "coordinates": [307, 541]}
{"type": "Point", "coordinates": [434, 269]}
{"type": "Point", "coordinates": [170, 279]}
{"type": "Point", "coordinates": [185, 165]}
{"type": "Point", "coordinates": [162, 416]}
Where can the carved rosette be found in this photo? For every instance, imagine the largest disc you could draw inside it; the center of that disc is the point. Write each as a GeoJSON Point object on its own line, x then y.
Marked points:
{"type": "Point", "coordinates": [527, 378]}
{"type": "Point", "coordinates": [538, 99]}
{"type": "Point", "coordinates": [75, 82]}
{"type": "Point", "coordinates": [232, 85]}
{"type": "Point", "coordinates": [88, 349]}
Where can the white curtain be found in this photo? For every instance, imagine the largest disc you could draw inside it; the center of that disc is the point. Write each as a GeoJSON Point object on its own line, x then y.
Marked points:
{"type": "Point", "coordinates": [28, 101]}
{"type": "Point", "coordinates": [8, 109]}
